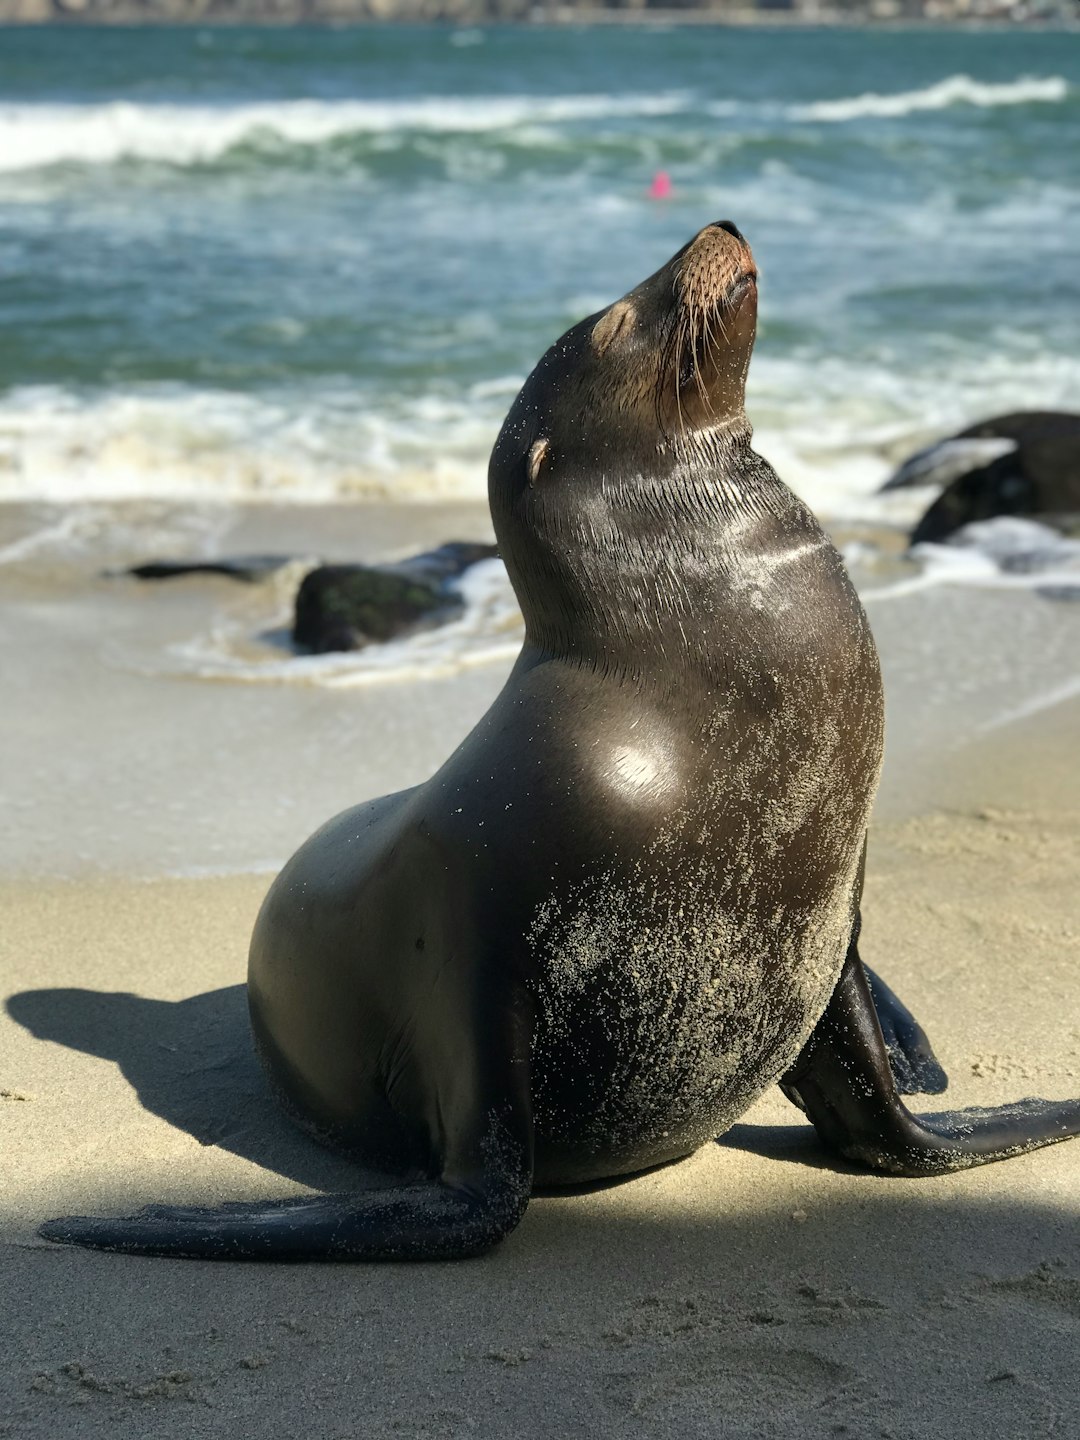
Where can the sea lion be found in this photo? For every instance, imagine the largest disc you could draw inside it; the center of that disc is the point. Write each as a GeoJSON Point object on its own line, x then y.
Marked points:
{"type": "Point", "coordinates": [1026, 463]}
{"type": "Point", "coordinates": [629, 901]}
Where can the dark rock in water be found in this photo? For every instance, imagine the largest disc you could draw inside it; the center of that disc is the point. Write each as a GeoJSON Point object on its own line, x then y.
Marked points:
{"type": "Point", "coordinates": [344, 607]}
{"type": "Point", "coordinates": [1027, 463]}
{"type": "Point", "coordinates": [248, 568]}
{"type": "Point", "coordinates": [1040, 434]}
{"type": "Point", "coordinates": [445, 562]}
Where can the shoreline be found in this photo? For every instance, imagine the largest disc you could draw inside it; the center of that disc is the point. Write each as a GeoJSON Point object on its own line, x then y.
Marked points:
{"type": "Point", "coordinates": [175, 678]}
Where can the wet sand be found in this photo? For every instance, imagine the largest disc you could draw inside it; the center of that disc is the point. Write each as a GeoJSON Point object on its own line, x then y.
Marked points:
{"type": "Point", "coordinates": [753, 1291]}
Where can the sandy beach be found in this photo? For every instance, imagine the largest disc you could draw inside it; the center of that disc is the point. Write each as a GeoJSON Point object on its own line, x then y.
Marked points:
{"type": "Point", "coordinates": [753, 1290]}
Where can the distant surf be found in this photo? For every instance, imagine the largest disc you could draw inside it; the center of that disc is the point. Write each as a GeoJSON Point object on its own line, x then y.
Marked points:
{"type": "Point", "coordinates": [954, 90]}
{"type": "Point", "coordinates": [316, 266]}
{"type": "Point", "coordinates": [39, 135]}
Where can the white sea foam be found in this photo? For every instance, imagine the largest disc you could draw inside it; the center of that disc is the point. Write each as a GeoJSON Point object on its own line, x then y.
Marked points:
{"type": "Point", "coordinates": [58, 532]}
{"type": "Point", "coordinates": [1006, 553]}
{"type": "Point", "coordinates": [834, 429]}
{"type": "Point", "coordinates": [40, 134]}
{"type": "Point", "coordinates": [955, 90]}
{"type": "Point", "coordinates": [1043, 700]}
{"type": "Point", "coordinates": [156, 443]}
{"type": "Point", "coordinates": [489, 630]}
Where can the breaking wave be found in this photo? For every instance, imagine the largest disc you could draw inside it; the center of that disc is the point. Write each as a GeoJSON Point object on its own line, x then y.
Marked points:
{"type": "Point", "coordinates": [173, 443]}
{"type": "Point", "coordinates": [37, 135]}
{"type": "Point", "coordinates": [955, 90]}
{"type": "Point", "coordinates": [834, 429]}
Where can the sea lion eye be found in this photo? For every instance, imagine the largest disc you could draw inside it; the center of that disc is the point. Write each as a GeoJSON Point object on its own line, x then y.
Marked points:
{"type": "Point", "coordinates": [538, 453]}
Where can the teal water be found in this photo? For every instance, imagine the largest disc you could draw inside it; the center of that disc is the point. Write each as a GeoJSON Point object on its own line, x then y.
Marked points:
{"type": "Point", "coordinates": [312, 263]}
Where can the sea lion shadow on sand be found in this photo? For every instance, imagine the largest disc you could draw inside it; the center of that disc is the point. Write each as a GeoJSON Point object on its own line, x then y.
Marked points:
{"type": "Point", "coordinates": [796, 1144]}
{"type": "Point", "coordinates": [192, 1064]}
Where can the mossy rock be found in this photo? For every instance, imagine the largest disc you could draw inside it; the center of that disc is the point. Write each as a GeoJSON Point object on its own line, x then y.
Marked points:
{"type": "Point", "coordinates": [345, 607]}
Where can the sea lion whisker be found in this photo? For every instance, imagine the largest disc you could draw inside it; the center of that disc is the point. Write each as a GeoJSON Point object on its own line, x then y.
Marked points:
{"type": "Point", "coordinates": [667, 368]}
{"type": "Point", "coordinates": [700, 333]}
{"type": "Point", "coordinates": [713, 348]}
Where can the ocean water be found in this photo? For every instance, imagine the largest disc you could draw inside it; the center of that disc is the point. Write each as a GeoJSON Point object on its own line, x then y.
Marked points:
{"type": "Point", "coordinates": [308, 265]}
{"type": "Point", "coordinates": [273, 290]}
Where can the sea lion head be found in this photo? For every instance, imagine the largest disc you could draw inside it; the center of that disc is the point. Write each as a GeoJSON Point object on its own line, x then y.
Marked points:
{"type": "Point", "coordinates": [658, 368]}
{"type": "Point", "coordinates": [625, 425]}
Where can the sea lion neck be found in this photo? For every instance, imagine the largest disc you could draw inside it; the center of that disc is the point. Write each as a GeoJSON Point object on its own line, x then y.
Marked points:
{"type": "Point", "coordinates": [632, 576]}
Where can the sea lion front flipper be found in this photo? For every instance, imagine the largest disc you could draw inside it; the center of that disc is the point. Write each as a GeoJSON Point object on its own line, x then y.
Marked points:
{"type": "Point", "coordinates": [842, 1080]}
{"type": "Point", "coordinates": [429, 1221]}
{"type": "Point", "coordinates": [914, 1065]}
{"type": "Point", "coordinates": [484, 1117]}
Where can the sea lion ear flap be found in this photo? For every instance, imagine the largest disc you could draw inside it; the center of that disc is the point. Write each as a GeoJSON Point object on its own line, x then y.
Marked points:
{"type": "Point", "coordinates": [538, 454]}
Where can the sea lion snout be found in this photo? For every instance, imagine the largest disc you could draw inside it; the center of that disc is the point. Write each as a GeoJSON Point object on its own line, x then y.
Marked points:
{"type": "Point", "coordinates": [714, 288]}
{"type": "Point", "coordinates": [615, 397]}
{"type": "Point", "coordinates": [718, 267]}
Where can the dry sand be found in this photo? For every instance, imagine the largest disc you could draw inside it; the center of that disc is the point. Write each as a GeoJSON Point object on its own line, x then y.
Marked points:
{"type": "Point", "coordinates": [756, 1290]}
{"type": "Point", "coordinates": [753, 1290]}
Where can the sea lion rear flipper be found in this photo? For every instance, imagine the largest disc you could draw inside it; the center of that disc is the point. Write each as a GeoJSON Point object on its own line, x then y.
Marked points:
{"type": "Point", "coordinates": [842, 1080]}
{"type": "Point", "coordinates": [914, 1065]}
{"type": "Point", "coordinates": [485, 1125]}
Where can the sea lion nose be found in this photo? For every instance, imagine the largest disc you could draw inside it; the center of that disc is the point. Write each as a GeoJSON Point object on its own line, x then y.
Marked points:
{"type": "Point", "coordinates": [731, 228]}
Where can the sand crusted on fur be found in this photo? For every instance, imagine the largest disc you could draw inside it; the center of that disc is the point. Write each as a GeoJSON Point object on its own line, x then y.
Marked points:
{"type": "Point", "coordinates": [701, 964]}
